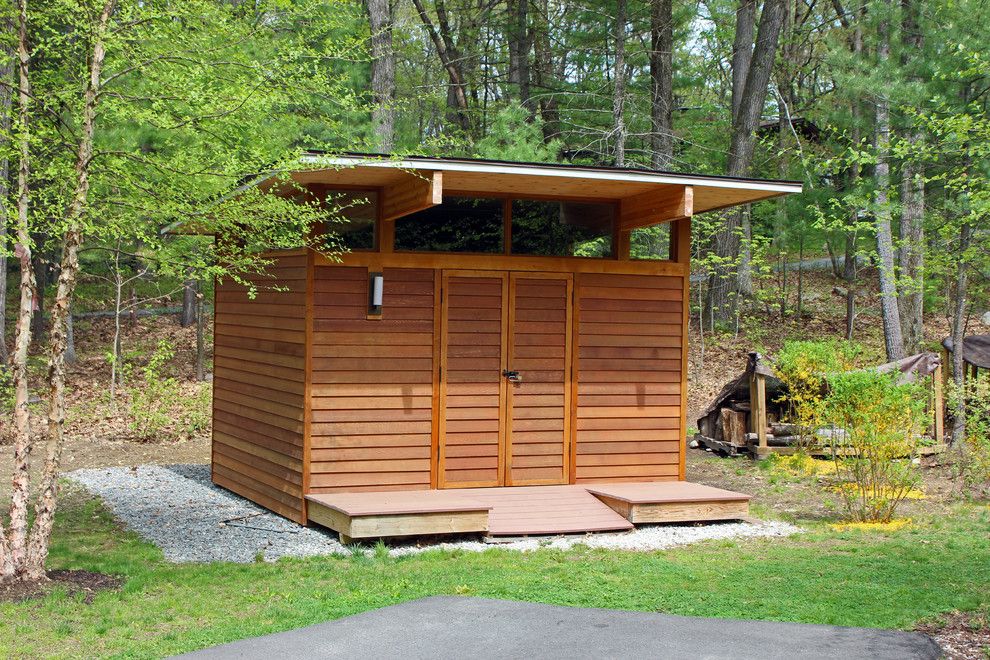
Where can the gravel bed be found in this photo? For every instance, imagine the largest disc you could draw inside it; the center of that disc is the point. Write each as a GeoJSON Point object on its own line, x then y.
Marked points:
{"type": "Point", "coordinates": [642, 539]}
{"type": "Point", "coordinates": [178, 509]}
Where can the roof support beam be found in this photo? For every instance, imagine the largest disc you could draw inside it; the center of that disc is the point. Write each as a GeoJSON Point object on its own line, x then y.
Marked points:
{"type": "Point", "coordinates": [422, 189]}
{"type": "Point", "coordinates": [656, 206]}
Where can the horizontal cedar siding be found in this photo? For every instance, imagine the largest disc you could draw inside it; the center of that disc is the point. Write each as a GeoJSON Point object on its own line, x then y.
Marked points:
{"type": "Point", "coordinates": [259, 387]}
{"type": "Point", "coordinates": [372, 382]}
{"type": "Point", "coordinates": [629, 377]}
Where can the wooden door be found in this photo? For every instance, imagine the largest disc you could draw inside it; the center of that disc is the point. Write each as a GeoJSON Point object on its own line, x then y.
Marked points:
{"type": "Point", "coordinates": [497, 428]}
{"type": "Point", "coordinates": [538, 406]}
{"type": "Point", "coordinates": [472, 386]}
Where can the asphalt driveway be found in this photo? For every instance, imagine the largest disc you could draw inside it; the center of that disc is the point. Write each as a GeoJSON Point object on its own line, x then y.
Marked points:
{"type": "Point", "coordinates": [460, 627]}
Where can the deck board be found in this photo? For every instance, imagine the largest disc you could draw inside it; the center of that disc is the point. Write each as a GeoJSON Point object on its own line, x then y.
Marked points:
{"type": "Point", "coordinates": [523, 510]}
{"type": "Point", "coordinates": [536, 510]}
{"type": "Point", "coordinates": [664, 491]}
{"type": "Point", "coordinates": [397, 502]}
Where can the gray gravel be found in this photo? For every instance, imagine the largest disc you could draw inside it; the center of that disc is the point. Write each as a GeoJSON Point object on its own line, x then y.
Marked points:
{"type": "Point", "coordinates": [178, 509]}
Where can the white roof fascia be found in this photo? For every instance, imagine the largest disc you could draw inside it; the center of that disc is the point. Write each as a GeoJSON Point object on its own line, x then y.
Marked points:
{"type": "Point", "coordinates": [536, 170]}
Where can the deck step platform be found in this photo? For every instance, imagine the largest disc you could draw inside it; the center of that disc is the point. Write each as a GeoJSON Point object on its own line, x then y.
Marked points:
{"type": "Point", "coordinates": [671, 501]}
{"type": "Point", "coordinates": [522, 510]}
{"type": "Point", "coordinates": [398, 513]}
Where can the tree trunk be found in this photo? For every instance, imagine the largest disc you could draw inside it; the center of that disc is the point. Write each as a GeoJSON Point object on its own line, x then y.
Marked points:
{"type": "Point", "coordinates": [6, 96]}
{"type": "Point", "coordinates": [70, 340]}
{"type": "Point", "coordinates": [13, 546]}
{"type": "Point", "coordinates": [745, 276]}
{"type": "Point", "coordinates": [785, 132]}
{"type": "Point", "coordinates": [893, 341]}
{"type": "Point", "coordinates": [662, 83]}
{"type": "Point", "coordinates": [742, 51]}
{"type": "Point", "coordinates": [800, 282]}
{"type": "Point", "coordinates": [782, 260]}
{"type": "Point", "coordinates": [544, 76]}
{"type": "Point", "coordinates": [44, 510]}
{"type": "Point", "coordinates": [190, 291]}
{"type": "Point", "coordinates": [958, 333]}
{"type": "Point", "coordinates": [451, 60]}
{"type": "Point", "coordinates": [723, 285]}
{"type": "Point", "coordinates": [380, 20]}
{"type": "Point", "coordinates": [116, 365]}
{"type": "Point", "coordinates": [849, 275]}
{"type": "Point", "coordinates": [912, 251]}
{"type": "Point", "coordinates": [200, 340]}
{"type": "Point", "coordinates": [519, 46]}
{"type": "Point", "coordinates": [619, 89]}
{"type": "Point", "coordinates": [849, 267]}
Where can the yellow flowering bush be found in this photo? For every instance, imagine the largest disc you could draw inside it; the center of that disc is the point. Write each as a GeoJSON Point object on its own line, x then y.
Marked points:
{"type": "Point", "coordinates": [882, 420]}
{"type": "Point", "coordinates": [802, 367]}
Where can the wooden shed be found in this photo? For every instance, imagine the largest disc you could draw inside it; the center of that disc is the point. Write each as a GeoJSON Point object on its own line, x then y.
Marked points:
{"type": "Point", "coordinates": [486, 357]}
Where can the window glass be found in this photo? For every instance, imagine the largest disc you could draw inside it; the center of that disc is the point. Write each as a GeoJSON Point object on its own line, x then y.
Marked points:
{"type": "Point", "coordinates": [354, 214]}
{"type": "Point", "coordinates": [562, 229]}
{"type": "Point", "coordinates": [459, 224]}
{"type": "Point", "coordinates": [650, 242]}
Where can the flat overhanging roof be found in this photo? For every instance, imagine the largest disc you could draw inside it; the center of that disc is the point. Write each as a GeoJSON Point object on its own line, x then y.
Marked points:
{"type": "Point", "coordinates": [413, 183]}
{"type": "Point", "coordinates": [479, 177]}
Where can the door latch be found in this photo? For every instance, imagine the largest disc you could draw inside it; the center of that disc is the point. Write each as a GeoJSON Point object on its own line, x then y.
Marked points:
{"type": "Point", "coordinates": [512, 376]}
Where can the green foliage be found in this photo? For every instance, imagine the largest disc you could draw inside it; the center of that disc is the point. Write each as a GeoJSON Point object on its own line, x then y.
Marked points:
{"type": "Point", "coordinates": [803, 367]}
{"type": "Point", "coordinates": [650, 242]}
{"type": "Point", "coordinates": [973, 454]}
{"type": "Point", "coordinates": [158, 408]}
{"type": "Point", "coordinates": [515, 135]}
{"type": "Point", "coordinates": [197, 98]}
{"type": "Point", "coordinates": [151, 401]}
{"type": "Point", "coordinates": [882, 421]}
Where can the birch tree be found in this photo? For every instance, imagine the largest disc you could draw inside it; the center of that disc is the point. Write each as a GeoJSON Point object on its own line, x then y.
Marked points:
{"type": "Point", "coordinates": [120, 73]}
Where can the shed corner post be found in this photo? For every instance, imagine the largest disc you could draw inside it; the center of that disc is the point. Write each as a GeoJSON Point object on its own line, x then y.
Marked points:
{"type": "Point", "coordinates": [680, 253]}
{"type": "Point", "coordinates": [307, 439]}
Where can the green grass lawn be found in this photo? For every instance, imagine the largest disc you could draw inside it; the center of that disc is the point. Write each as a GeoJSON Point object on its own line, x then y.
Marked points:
{"type": "Point", "coordinates": [855, 578]}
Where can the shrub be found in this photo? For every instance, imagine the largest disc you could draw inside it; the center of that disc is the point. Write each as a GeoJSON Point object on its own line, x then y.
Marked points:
{"type": "Point", "coordinates": [160, 406]}
{"type": "Point", "coordinates": [152, 401]}
{"type": "Point", "coordinates": [882, 421]}
{"type": "Point", "coordinates": [803, 367]}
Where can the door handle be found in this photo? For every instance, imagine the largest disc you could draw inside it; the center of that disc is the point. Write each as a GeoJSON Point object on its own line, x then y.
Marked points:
{"type": "Point", "coordinates": [512, 376]}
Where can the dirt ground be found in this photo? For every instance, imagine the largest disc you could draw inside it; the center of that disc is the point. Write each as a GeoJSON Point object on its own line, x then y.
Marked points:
{"type": "Point", "coordinates": [86, 583]}
{"type": "Point", "coordinates": [97, 435]}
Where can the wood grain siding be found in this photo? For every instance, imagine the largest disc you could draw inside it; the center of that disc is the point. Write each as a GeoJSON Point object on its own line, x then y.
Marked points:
{"type": "Point", "coordinates": [472, 397]}
{"type": "Point", "coordinates": [539, 406]}
{"type": "Point", "coordinates": [259, 387]}
{"type": "Point", "coordinates": [629, 377]}
{"type": "Point", "coordinates": [372, 381]}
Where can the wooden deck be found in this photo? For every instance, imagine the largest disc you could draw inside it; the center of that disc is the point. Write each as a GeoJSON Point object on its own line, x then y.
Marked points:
{"type": "Point", "coordinates": [671, 501]}
{"type": "Point", "coordinates": [520, 511]}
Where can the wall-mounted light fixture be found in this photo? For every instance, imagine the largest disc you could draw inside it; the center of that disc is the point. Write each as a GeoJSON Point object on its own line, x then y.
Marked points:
{"type": "Point", "coordinates": [376, 285]}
